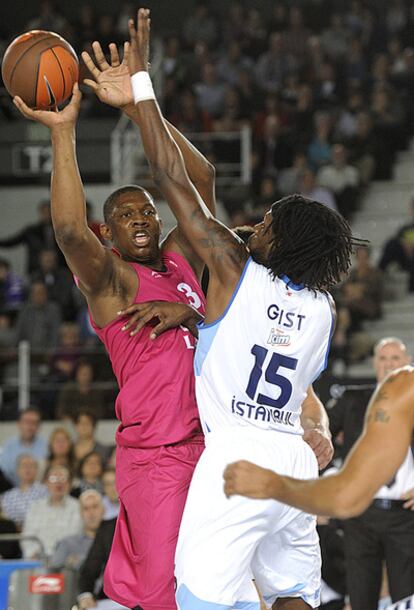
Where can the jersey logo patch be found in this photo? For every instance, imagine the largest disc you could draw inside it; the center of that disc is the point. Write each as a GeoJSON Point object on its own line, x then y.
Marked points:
{"type": "Point", "coordinates": [278, 337]}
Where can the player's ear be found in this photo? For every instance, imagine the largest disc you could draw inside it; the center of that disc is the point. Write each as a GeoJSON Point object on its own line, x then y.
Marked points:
{"type": "Point", "coordinates": [105, 231]}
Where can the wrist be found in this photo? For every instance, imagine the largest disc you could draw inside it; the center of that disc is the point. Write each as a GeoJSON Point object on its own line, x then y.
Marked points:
{"type": "Point", "coordinates": [142, 88]}
{"type": "Point", "coordinates": [62, 131]}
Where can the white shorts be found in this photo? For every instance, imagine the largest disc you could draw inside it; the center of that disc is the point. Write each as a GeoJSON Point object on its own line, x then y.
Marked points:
{"type": "Point", "coordinates": [224, 543]}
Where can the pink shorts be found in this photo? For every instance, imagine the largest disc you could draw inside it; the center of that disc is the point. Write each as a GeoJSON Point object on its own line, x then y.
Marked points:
{"type": "Point", "coordinates": [152, 486]}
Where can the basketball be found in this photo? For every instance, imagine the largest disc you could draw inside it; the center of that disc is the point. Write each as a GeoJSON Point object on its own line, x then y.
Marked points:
{"type": "Point", "coordinates": [41, 68]}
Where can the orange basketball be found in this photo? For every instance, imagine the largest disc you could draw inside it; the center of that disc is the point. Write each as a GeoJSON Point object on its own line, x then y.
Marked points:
{"type": "Point", "coordinates": [41, 68]}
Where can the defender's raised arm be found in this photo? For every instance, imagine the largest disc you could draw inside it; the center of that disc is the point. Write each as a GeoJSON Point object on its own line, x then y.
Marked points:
{"type": "Point", "coordinates": [216, 245]}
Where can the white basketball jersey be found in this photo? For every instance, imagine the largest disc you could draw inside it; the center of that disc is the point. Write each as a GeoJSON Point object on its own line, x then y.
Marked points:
{"type": "Point", "coordinates": [254, 365]}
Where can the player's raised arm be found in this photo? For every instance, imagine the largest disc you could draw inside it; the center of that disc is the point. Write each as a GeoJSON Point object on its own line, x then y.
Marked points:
{"type": "Point", "coordinates": [372, 462]}
{"type": "Point", "coordinates": [86, 256]}
{"type": "Point", "coordinates": [216, 245]}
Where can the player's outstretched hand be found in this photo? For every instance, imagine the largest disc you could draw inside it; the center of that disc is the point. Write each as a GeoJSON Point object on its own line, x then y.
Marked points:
{"type": "Point", "coordinates": [112, 81]}
{"type": "Point", "coordinates": [139, 40]}
{"type": "Point", "coordinates": [169, 315]}
{"type": "Point", "coordinates": [246, 479]}
{"type": "Point", "coordinates": [53, 118]}
{"type": "Point", "coordinates": [320, 442]}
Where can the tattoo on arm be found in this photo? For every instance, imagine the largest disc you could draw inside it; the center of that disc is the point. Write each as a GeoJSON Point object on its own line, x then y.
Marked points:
{"type": "Point", "coordinates": [218, 239]}
{"type": "Point", "coordinates": [379, 416]}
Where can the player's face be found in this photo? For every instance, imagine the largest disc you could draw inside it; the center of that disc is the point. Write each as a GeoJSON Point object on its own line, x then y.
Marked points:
{"type": "Point", "coordinates": [135, 228]}
{"type": "Point", "coordinates": [388, 358]}
{"type": "Point", "coordinates": [261, 240]}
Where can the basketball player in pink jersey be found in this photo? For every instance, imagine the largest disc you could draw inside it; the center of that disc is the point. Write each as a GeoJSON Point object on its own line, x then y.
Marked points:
{"type": "Point", "coordinates": [159, 438]}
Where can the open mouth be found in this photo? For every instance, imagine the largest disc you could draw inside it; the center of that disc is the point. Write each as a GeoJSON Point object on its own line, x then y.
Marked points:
{"type": "Point", "coordinates": [141, 238]}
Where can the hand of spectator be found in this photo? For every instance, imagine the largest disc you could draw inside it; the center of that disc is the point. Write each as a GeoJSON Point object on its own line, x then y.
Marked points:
{"type": "Point", "coordinates": [139, 40]}
{"type": "Point", "coordinates": [112, 82]}
{"type": "Point", "coordinates": [53, 119]}
{"type": "Point", "coordinates": [409, 497]}
{"type": "Point", "coordinates": [169, 315]}
{"type": "Point", "coordinates": [320, 442]}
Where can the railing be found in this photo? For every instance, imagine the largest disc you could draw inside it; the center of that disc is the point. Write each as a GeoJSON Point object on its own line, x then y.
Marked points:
{"type": "Point", "coordinates": [129, 164]}
{"type": "Point", "coordinates": [27, 377]}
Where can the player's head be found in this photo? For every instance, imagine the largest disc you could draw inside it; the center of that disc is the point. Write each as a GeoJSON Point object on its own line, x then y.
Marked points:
{"type": "Point", "coordinates": [304, 240]}
{"type": "Point", "coordinates": [132, 224]}
{"type": "Point", "coordinates": [390, 354]}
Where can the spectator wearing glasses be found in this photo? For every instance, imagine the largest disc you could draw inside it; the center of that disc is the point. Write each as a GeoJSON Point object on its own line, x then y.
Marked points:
{"type": "Point", "coordinates": [52, 518]}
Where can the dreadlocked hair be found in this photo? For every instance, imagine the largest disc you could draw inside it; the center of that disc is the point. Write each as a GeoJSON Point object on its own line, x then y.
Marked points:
{"type": "Point", "coordinates": [312, 244]}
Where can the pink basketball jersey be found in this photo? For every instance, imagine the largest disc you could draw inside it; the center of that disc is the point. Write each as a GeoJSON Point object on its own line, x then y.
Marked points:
{"type": "Point", "coordinates": [156, 403]}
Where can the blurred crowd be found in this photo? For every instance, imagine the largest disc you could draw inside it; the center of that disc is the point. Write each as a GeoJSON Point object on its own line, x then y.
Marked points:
{"type": "Point", "coordinates": [326, 90]}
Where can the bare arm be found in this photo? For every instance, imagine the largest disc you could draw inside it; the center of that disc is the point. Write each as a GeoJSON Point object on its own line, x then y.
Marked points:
{"type": "Point", "coordinates": [315, 424]}
{"type": "Point", "coordinates": [215, 245]}
{"type": "Point", "coordinates": [86, 256]}
{"type": "Point", "coordinates": [112, 84]}
{"type": "Point", "coordinates": [372, 462]}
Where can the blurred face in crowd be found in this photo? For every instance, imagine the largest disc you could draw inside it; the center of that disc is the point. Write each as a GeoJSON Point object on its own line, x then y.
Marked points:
{"type": "Point", "coordinates": [85, 427]}
{"type": "Point", "coordinates": [58, 483]}
{"type": "Point", "coordinates": [60, 444]}
{"type": "Point", "coordinates": [48, 260]}
{"type": "Point", "coordinates": [92, 467]}
{"type": "Point", "coordinates": [109, 485]}
{"type": "Point", "coordinates": [91, 509]}
{"type": "Point", "coordinates": [84, 374]}
{"type": "Point", "coordinates": [69, 335]}
{"type": "Point", "coordinates": [28, 425]}
{"type": "Point", "coordinates": [389, 355]}
{"type": "Point", "coordinates": [38, 294]}
{"type": "Point", "coordinates": [27, 469]}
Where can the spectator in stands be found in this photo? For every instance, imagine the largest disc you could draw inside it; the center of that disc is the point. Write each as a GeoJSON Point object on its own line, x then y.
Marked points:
{"type": "Point", "coordinates": [16, 502]}
{"type": "Point", "coordinates": [335, 39]}
{"type": "Point", "coordinates": [72, 550]}
{"type": "Point", "coordinates": [58, 281]}
{"type": "Point", "coordinates": [400, 249]}
{"type": "Point", "coordinates": [201, 25]}
{"type": "Point", "coordinates": [232, 63]}
{"type": "Point", "coordinates": [48, 18]}
{"type": "Point", "coordinates": [310, 189]}
{"type": "Point", "coordinates": [210, 91]}
{"type": "Point", "coordinates": [52, 518]}
{"type": "Point", "coordinates": [363, 148]}
{"type": "Point", "coordinates": [110, 499]}
{"type": "Point", "coordinates": [61, 449]}
{"type": "Point", "coordinates": [342, 179]}
{"type": "Point", "coordinates": [39, 320]}
{"type": "Point", "coordinates": [80, 394]}
{"type": "Point", "coordinates": [28, 441]}
{"type": "Point", "coordinates": [289, 179]}
{"type": "Point", "coordinates": [35, 237]}
{"type": "Point", "coordinates": [359, 299]}
{"type": "Point", "coordinates": [90, 472]}
{"type": "Point", "coordinates": [66, 356]}
{"type": "Point", "coordinates": [90, 576]}
{"type": "Point", "coordinates": [296, 36]}
{"type": "Point", "coordinates": [274, 65]}
{"type": "Point", "coordinates": [319, 149]}
{"type": "Point", "coordinates": [85, 443]}
{"type": "Point", "coordinates": [385, 531]}
{"type": "Point", "coordinates": [273, 151]}
{"type": "Point", "coordinates": [11, 288]}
